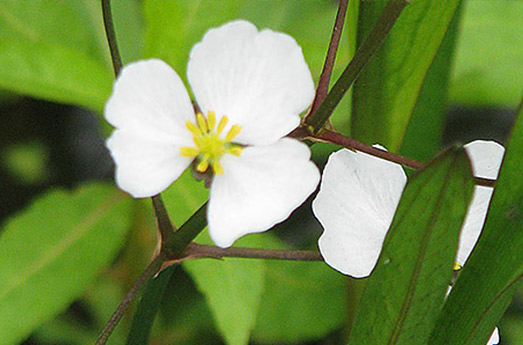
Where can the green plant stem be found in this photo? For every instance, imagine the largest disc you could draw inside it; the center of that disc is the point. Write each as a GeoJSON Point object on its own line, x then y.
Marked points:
{"type": "Point", "coordinates": [163, 221]}
{"type": "Point", "coordinates": [111, 36]}
{"type": "Point", "coordinates": [323, 83]}
{"type": "Point", "coordinates": [363, 54]}
{"type": "Point", "coordinates": [149, 272]}
{"type": "Point", "coordinates": [195, 251]}
{"type": "Point", "coordinates": [182, 238]}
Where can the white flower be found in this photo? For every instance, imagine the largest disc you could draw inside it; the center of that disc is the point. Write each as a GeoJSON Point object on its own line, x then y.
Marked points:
{"type": "Point", "coordinates": [358, 197]}
{"type": "Point", "coordinates": [251, 87]}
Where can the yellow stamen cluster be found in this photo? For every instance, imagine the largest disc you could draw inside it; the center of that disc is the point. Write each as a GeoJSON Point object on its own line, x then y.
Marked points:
{"type": "Point", "coordinates": [210, 146]}
{"type": "Point", "coordinates": [456, 267]}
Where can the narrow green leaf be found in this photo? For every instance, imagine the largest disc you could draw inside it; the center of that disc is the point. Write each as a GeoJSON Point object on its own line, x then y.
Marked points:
{"type": "Point", "coordinates": [148, 307]}
{"type": "Point", "coordinates": [53, 250]}
{"type": "Point", "coordinates": [493, 272]}
{"type": "Point", "coordinates": [407, 288]}
{"type": "Point", "coordinates": [55, 51]}
{"type": "Point", "coordinates": [387, 90]}
{"type": "Point", "coordinates": [424, 134]}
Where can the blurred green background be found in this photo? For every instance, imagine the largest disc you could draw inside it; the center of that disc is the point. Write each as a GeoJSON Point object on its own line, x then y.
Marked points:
{"type": "Point", "coordinates": [55, 75]}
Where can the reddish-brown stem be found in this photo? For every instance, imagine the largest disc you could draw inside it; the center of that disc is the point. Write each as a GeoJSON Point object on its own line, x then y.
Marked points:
{"type": "Point", "coordinates": [195, 251]}
{"type": "Point", "coordinates": [333, 137]}
{"type": "Point", "coordinates": [323, 83]}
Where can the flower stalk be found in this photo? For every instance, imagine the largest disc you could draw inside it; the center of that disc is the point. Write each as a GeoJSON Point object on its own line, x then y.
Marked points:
{"type": "Point", "coordinates": [323, 83]}
{"type": "Point", "coordinates": [363, 54]}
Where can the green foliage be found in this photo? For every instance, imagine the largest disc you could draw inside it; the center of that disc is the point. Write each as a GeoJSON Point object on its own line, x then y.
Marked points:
{"type": "Point", "coordinates": [489, 54]}
{"type": "Point", "coordinates": [468, 318]}
{"type": "Point", "coordinates": [387, 90]}
{"type": "Point", "coordinates": [233, 289]}
{"type": "Point", "coordinates": [424, 133]}
{"type": "Point", "coordinates": [298, 294]}
{"type": "Point", "coordinates": [58, 51]}
{"type": "Point", "coordinates": [407, 288]}
{"type": "Point", "coordinates": [49, 253]}
{"type": "Point", "coordinates": [148, 307]}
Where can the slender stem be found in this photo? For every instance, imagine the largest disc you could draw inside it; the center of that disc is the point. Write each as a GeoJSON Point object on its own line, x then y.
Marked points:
{"type": "Point", "coordinates": [149, 272]}
{"type": "Point", "coordinates": [323, 84]}
{"type": "Point", "coordinates": [203, 251]}
{"type": "Point", "coordinates": [163, 221]}
{"type": "Point", "coordinates": [111, 36]}
{"type": "Point", "coordinates": [339, 139]}
{"type": "Point", "coordinates": [326, 135]}
{"type": "Point", "coordinates": [363, 54]}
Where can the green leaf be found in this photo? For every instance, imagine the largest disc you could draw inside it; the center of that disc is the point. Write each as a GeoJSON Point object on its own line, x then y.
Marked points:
{"type": "Point", "coordinates": [148, 307]}
{"type": "Point", "coordinates": [302, 301]}
{"type": "Point", "coordinates": [55, 51]}
{"type": "Point", "coordinates": [489, 55]}
{"type": "Point", "coordinates": [387, 90]}
{"type": "Point", "coordinates": [53, 250]}
{"type": "Point", "coordinates": [424, 134]}
{"type": "Point", "coordinates": [473, 309]}
{"type": "Point", "coordinates": [407, 288]}
{"type": "Point", "coordinates": [233, 290]}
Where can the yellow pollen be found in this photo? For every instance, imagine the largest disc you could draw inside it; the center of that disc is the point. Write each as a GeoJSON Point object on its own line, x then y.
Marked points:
{"type": "Point", "coordinates": [209, 145]}
{"type": "Point", "coordinates": [456, 267]}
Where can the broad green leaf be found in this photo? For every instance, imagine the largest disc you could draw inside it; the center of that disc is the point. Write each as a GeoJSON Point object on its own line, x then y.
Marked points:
{"type": "Point", "coordinates": [55, 51]}
{"type": "Point", "coordinates": [32, 68]}
{"type": "Point", "coordinates": [233, 289]}
{"type": "Point", "coordinates": [407, 288]}
{"type": "Point", "coordinates": [424, 134]}
{"type": "Point", "coordinates": [493, 272]}
{"type": "Point", "coordinates": [386, 92]}
{"type": "Point", "coordinates": [302, 301]}
{"type": "Point", "coordinates": [53, 250]}
{"type": "Point", "coordinates": [489, 55]}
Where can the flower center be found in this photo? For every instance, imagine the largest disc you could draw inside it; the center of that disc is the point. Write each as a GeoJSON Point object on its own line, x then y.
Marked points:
{"type": "Point", "coordinates": [210, 146]}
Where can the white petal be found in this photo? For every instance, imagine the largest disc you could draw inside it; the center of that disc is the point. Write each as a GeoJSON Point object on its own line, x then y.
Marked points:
{"type": "Point", "coordinates": [473, 223]}
{"type": "Point", "coordinates": [358, 197]}
{"type": "Point", "coordinates": [486, 157]}
{"type": "Point", "coordinates": [259, 189]}
{"type": "Point", "coordinates": [148, 107]}
{"type": "Point", "coordinates": [143, 167]}
{"type": "Point", "coordinates": [260, 80]}
{"type": "Point", "coordinates": [494, 338]}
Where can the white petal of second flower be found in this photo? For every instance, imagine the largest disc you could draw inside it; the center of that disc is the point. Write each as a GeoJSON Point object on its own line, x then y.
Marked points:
{"type": "Point", "coordinates": [358, 197]}
{"type": "Point", "coordinates": [260, 80]}
{"type": "Point", "coordinates": [494, 338]}
{"type": "Point", "coordinates": [486, 158]}
{"type": "Point", "coordinates": [259, 189]}
{"type": "Point", "coordinates": [473, 223]}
